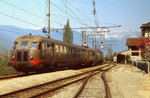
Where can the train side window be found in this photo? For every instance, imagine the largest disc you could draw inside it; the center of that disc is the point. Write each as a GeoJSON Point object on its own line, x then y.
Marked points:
{"type": "Point", "coordinates": [68, 50]}
{"type": "Point", "coordinates": [77, 51]}
{"type": "Point", "coordinates": [63, 49]}
{"type": "Point", "coordinates": [48, 46]}
{"type": "Point", "coordinates": [34, 45]}
{"type": "Point", "coordinates": [15, 45]}
{"type": "Point", "coordinates": [56, 48]}
{"type": "Point", "coordinates": [71, 51]}
{"type": "Point", "coordinates": [39, 46]}
{"type": "Point", "coordinates": [24, 45]}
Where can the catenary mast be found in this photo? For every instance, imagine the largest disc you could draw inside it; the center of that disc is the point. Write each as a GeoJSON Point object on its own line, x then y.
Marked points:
{"type": "Point", "coordinates": [48, 15]}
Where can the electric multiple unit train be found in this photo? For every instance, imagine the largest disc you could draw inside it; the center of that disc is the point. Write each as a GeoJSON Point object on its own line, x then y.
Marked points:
{"type": "Point", "coordinates": [32, 53]}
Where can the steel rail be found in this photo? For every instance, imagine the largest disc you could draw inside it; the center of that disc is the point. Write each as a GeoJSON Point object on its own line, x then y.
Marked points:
{"type": "Point", "coordinates": [107, 89]}
{"type": "Point", "coordinates": [10, 77]}
{"type": "Point", "coordinates": [51, 82]}
{"type": "Point", "coordinates": [15, 76]}
{"type": "Point", "coordinates": [108, 95]}
{"type": "Point", "coordinates": [83, 85]}
{"type": "Point", "coordinates": [83, 78]}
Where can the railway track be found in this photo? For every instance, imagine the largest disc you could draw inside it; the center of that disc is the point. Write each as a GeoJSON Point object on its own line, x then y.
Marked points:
{"type": "Point", "coordinates": [15, 76]}
{"type": "Point", "coordinates": [42, 89]}
{"type": "Point", "coordinates": [107, 90]}
{"type": "Point", "coordinates": [10, 77]}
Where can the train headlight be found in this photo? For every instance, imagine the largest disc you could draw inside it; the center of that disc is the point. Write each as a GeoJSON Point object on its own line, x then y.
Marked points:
{"type": "Point", "coordinates": [13, 57]}
{"type": "Point", "coordinates": [31, 57]}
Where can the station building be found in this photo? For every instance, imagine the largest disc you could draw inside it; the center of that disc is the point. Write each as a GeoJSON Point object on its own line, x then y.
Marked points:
{"type": "Point", "coordinates": [135, 45]}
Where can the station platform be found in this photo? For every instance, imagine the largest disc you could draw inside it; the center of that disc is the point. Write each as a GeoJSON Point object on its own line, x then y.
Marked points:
{"type": "Point", "coordinates": [127, 81]}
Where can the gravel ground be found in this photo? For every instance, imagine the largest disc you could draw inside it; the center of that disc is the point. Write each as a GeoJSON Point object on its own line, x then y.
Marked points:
{"type": "Point", "coordinates": [66, 92]}
{"type": "Point", "coordinates": [128, 82]}
{"type": "Point", "coordinates": [29, 81]}
{"type": "Point", "coordinates": [33, 80]}
{"type": "Point", "coordinates": [93, 89]}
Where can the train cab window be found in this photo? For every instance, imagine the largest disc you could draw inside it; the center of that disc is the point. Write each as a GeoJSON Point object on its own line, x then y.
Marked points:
{"type": "Point", "coordinates": [24, 45]}
{"type": "Point", "coordinates": [15, 45]}
{"type": "Point", "coordinates": [34, 45]}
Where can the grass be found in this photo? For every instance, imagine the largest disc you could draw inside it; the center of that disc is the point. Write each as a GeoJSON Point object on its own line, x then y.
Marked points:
{"type": "Point", "coordinates": [5, 69]}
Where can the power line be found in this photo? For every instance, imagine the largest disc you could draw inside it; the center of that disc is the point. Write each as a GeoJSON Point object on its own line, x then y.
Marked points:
{"type": "Point", "coordinates": [19, 19]}
{"type": "Point", "coordinates": [78, 10]}
{"type": "Point", "coordinates": [69, 14]}
{"type": "Point", "coordinates": [57, 21]}
{"type": "Point", "coordinates": [70, 10]}
{"type": "Point", "coordinates": [22, 9]}
{"type": "Point", "coordinates": [89, 19]}
{"type": "Point", "coordinates": [66, 17]}
{"type": "Point", "coordinates": [9, 30]}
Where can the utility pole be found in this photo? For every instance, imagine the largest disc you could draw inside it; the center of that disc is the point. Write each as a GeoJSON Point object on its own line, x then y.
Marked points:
{"type": "Point", "coordinates": [48, 15]}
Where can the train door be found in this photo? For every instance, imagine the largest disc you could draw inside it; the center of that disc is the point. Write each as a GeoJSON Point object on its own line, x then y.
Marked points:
{"type": "Point", "coordinates": [43, 50]}
{"type": "Point", "coordinates": [48, 50]}
{"type": "Point", "coordinates": [53, 52]}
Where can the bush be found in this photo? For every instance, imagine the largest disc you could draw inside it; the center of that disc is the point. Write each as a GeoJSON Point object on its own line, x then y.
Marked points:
{"type": "Point", "coordinates": [4, 54]}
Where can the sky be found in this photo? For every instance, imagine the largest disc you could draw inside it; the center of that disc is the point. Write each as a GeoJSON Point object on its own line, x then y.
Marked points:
{"type": "Point", "coordinates": [130, 14]}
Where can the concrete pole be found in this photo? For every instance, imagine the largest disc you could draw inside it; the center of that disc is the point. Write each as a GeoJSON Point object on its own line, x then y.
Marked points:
{"type": "Point", "coordinates": [48, 15]}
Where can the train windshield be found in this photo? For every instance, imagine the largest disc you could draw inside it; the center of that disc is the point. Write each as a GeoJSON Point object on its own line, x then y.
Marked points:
{"type": "Point", "coordinates": [34, 45]}
{"type": "Point", "coordinates": [24, 45]}
{"type": "Point", "coordinates": [15, 45]}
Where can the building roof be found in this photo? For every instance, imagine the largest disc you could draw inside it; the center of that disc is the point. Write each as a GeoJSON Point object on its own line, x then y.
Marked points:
{"type": "Point", "coordinates": [145, 25]}
{"type": "Point", "coordinates": [132, 41]}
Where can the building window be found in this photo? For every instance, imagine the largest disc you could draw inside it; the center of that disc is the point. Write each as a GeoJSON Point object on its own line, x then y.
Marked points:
{"type": "Point", "coordinates": [135, 53]}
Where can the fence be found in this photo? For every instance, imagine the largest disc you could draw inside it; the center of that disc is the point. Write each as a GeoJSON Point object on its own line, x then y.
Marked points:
{"type": "Point", "coordinates": [144, 66]}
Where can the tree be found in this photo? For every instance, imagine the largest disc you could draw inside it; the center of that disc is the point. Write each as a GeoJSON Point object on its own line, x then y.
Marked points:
{"type": "Point", "coordinates": [146, 55]}
{"type": "Point", "coordinates": [142, 44]}
{"type": "Point", "coordinates": [128, 59]}
{"type": "Point", "coordinates": [67, 33]}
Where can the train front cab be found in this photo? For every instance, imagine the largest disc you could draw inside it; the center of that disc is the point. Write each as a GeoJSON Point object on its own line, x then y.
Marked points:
{"type": "Point", "coordinates": [26, 55]}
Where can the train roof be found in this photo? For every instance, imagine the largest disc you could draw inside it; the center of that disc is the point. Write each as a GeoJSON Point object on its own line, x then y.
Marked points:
{"type": "Point", "coordinates": [42, 38]}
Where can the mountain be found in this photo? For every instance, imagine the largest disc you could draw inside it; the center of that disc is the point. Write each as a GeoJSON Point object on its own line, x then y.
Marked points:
{"type": "Point", "coordinates": [117, 39]}
{"type": "Point", "coordinates": [10, 33]}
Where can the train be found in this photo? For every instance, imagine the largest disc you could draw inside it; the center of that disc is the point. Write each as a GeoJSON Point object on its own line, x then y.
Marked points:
{"type": "Point", "coordinates": [32, 53]}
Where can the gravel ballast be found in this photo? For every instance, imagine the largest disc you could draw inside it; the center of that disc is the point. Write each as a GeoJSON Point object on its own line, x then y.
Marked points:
{"type": "Point", "coordinates": [29, 81]}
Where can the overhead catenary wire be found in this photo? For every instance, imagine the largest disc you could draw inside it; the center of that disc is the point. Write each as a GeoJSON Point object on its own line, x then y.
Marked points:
{"type": "Point", "coordinates": [22, 9]}
{"type": "Point", "coordinates": [70, 10]}
{"type": "Point", "coordinates": [70, 15]}
{"type": "Point", "coordinates": [89, 19]}
{"type": "Point", "coordinates": [9, 31]}
{"type": "Point", "coordinates": [79, 10]}
{"type": "Point", "coordinates": [66, 17]}
{"type": "Point", "coordinates": [19, 19]}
